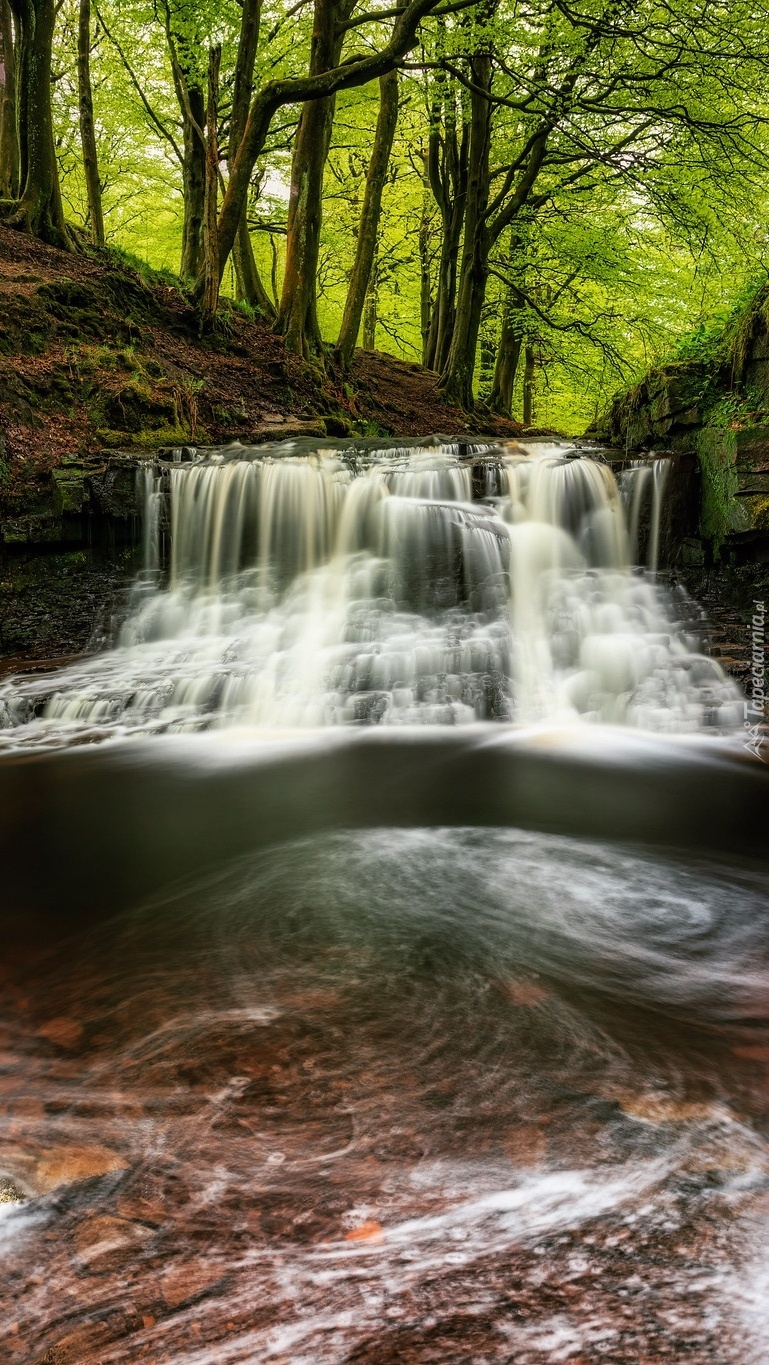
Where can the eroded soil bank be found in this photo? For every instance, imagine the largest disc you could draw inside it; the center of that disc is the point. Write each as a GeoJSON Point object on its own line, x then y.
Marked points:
{"type": "Point", "coordinates": [97, 359]}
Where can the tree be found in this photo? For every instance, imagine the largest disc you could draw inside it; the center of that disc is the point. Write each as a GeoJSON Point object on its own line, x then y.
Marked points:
{"type": "Point", "coordinates": [584, 93]}
{"type": "Point", "coordinates": [368, 226]}
{"type": "Point", "coordinates": [38, 209]}
{"type": "Point", "coordinates": [87, 129]}
{"type": "Point", "coordinates": [9, 128]}
{"type": "Point", "coordinates": [317, 85]}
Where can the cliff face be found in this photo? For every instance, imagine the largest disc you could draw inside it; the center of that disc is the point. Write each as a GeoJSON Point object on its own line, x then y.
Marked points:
{"type": "Point", "coordinates": [715, 408]}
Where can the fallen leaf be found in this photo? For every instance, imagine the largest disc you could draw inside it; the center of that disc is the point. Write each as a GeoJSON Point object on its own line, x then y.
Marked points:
{"type": "Point", "coordinates": [370, 1231]}
{"type": "Point", "coordinates": [62, 1031]}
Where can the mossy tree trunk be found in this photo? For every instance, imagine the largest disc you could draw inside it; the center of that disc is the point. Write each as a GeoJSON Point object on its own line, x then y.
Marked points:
{"type": "Point", "coordinates": [9, 124]}
{"type": "Point", "coordinates": [425, 283]}
{"type": "Point", "coordinates": [193, 185]}
{"type": "Point", "coordinates": [39, 209]}
{"type": "Point", "coordinates": [368, 227]}
{"type": "Point", "coordinates": [371, 309]}
{"type": "Point", "coordinates": [529, 378]}
{"type": "Point", "coordinates": [447, 176]}
{"type": "Point", "coordinates": [456, 381]}
{"type": "Point", "coordinates": [298, 314]}
{"type": "Point", "coordinates": [249, 281]}
{"type": "Point", "coordinates": [210, 234]}
{"type": "Point", "coordinates": [87, 126]}
{"type": "Point", "coordinates": [188, 78]}
{"type": "Point", "coordinates": [506, 365]}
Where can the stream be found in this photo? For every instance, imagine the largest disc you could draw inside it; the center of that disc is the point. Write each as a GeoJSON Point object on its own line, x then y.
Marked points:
{"type": "Point", "coordinates": [386, 932]}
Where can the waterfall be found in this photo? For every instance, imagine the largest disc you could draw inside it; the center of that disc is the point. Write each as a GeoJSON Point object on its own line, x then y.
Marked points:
{"type": "Point", "coordinates": [151, 489]}
{"type": "Point", "coordinates": [437, 584]}
{"type": "Point", "coordinates": [642, 486]}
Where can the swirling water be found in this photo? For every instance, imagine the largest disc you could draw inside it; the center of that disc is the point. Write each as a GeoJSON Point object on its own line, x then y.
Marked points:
{"type": "Point", "coordinates": [386, 1094]}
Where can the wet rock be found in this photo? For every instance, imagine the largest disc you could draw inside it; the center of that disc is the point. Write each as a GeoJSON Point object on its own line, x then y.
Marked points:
{"type": "Point", "coordinates": [104, 1243]}
{"type": "Point", "coordinates": [45, 1169]}
{"type": "Point", "coordinates": [370, 708]}
{"type": "Point", "coordinates": [62, 1031]}
{"type": "Point", "coordinates": [10, 1192]}
{"type": "Point", "coordinates": [288, 430]}
{"type": "Point", "coordinates": [187, 1281]}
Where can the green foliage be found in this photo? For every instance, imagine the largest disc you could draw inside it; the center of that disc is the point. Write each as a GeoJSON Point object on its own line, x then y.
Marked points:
{"type": "Point", "coordinates": [151, 274]}
{"type": "Point", "coordinates": [640, 242]}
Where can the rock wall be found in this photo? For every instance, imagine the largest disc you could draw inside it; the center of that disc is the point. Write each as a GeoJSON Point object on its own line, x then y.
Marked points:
{"type": "Point", "coordinates": [715, 411]}
{"type": "Point", "coordinates": [67, 562]}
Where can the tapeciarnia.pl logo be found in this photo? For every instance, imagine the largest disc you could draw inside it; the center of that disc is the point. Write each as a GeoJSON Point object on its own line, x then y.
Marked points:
{"type": "Point", "coordinates": [755, 707]}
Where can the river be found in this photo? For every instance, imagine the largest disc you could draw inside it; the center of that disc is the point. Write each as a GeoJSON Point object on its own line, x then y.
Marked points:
{"type": "Point", "coordinates": [386, 968]}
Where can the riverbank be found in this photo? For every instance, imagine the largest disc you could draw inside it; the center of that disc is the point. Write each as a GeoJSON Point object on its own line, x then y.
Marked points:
{"type": "Point", "coordinates": [97, 355]}
{"type": "Point", "coordinates": [98, 358]}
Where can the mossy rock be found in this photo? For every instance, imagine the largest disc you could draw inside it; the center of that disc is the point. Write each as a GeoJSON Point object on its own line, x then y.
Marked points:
{"type": "Point", "coordinates": [25, 327]}
{"type": "Point", "coordinates": [72, 495]}
{"type": "Point", "coordinates": [79, 309]}
{"type": "Point", "coordinates": [134, 408]}
{"type": "Point", "coordinates": [722, 512]}
{"type": "Point", "coordinates": [65, 296]}
{"type": "Point", "coordinates": [113, 490]}
{"type": "Point", "coordinates": [756, 512]}
{"type": "Point", "coordinates": [130, 296]}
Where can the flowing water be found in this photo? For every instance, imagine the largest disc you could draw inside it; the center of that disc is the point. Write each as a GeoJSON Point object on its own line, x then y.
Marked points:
{"type": "Point", "coordinates": [405, 587]}
{"type": "Point", "coordinates": [417, 1010]}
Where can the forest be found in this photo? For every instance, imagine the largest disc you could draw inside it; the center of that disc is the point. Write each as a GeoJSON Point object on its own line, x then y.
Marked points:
{"type": "Point", "coordinates": [384, 742]}
{"type": "Point", "coordinates": [535, 199]}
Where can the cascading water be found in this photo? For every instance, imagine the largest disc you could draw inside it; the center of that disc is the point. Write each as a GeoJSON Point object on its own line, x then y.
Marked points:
{"type": "Point", "coordinates": [431, 585]}
{"type": "Point", "coordinates": [642, 484]}
{"type": "Point", "coordinates": [336, 1034]}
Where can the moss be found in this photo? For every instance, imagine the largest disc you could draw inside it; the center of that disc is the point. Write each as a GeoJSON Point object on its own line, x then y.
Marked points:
{"type": "Point", "coordinates": [125, 259]}
{"type": "Point", "coordinates": [370, 428]}
{"type": "Point", "coordinates": [138, 405]}
{"type": "Point", "coordinates": [757, 512]}
{"type": "Point", "coordinates": [745, 326]}
{"type": "Point", "coordinates": [168, 436]}
{"type": "Point", "coordinates": [721, 512]}
{"type": "Point", "coordinates": [151, 437]}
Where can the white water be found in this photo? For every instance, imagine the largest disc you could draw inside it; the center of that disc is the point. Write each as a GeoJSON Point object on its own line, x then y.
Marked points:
{"type": "Point", "coordinates": [333, 588]}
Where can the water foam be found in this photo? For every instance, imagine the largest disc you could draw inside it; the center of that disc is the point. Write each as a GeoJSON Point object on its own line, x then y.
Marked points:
{"type": "Point", "coordinates": [423, 586]}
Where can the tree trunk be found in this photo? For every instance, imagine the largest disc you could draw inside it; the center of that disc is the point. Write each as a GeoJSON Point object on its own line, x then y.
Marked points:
{"type": "Point", "coordinates": [210, 234]}
{"type": "Point", "coordinates": [9, 127]}
{"type": "Point", "coordinates": [456, 381]}
{"type": "Point", "coordinates": [426, 307]}
{"type": "Point", "coordinates": [298, 315]}
{"type": "Point", "coordinates": [190, 96]}
{"type": "Point", "coordinates": [447, 286]}
{"type": "Point", "coordinates": [87, 129]}
{"type": "Point", "coordinates": [370, 311]}
{"type": "Point", "coordinates": [528, 385]}
{"type": "Point", "coordinates": [353, 73]}
{"type": "Point", "coordinates": [39, 210]}
{"type": "Point", "coordinates": [249, 282]}
{"type": "Point", "coordinates": [368, 226]}
{"type": "Point", "coordinates": [193, 184]}
{"type": "Point", "coordinates": [447, 171]}
{"type": "Point", "coordinates": [508, 357]}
